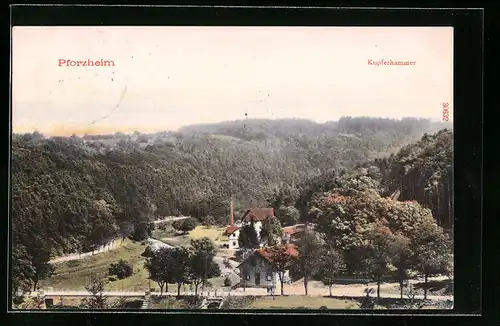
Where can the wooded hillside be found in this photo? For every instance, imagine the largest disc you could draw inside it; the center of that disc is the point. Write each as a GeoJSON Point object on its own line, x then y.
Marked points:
{"type": "Point", "coordinates": [72, 194]}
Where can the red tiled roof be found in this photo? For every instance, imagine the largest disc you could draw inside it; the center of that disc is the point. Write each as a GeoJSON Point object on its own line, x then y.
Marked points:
{"type": "Point", "coordinates": [230, 229]}
{"type": "Point", "coordinates": [289, 230]}
{"type": "Point", "coordinates": [291, 250]}
{"type": "Point", "coordinates": [258, 214]}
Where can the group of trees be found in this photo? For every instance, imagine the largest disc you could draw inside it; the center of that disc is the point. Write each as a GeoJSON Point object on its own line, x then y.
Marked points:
{"type": "Point", "coordinates": [72, 195]}
{"type": "Point", "coordinates": [180, 265]}
{"type": "Point", "coordinates": [378, 236]}
{"type": "Point", "coordinates": [185, 225]}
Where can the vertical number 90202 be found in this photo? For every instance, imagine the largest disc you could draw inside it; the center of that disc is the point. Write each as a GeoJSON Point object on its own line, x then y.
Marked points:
{"type": "Point", "coordinates": [446, 114]}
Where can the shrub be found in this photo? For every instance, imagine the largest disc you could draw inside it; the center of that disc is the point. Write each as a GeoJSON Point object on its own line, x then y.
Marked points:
{"type": "Point", "coordinates": [148, 252]}
{"type": "Point", "coordinates": [122, 269]}
{"type": "Point", "coordinates": [227, 282]}
{"type": "Point", "coordinates": [188, 225]}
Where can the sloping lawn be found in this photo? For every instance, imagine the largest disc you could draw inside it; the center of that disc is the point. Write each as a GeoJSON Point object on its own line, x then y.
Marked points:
{"type": "Point", "coordinates": [72, 275]}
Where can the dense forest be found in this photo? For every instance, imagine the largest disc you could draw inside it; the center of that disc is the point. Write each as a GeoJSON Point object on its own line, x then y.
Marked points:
{"type": "Point", "coordinates": [74, 193]}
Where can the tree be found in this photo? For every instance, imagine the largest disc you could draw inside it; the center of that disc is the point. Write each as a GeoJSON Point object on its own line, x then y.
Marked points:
{"type": "Point", "coordinates": [180, 266]}
{"type": "Point", "coordinates": [22, 270]}
{"type": "Point", "coordinates": [431, 251]}
{"type": "Point", "coordinates": [271, 230]}
{"type": "Point", "coordinates": [42, 269]}
{"type": "Point", "coordinates": [330, 264]}
{"type": "Point", "coordinates": [202, 264]}
{"type": "Point", "coordinates": [288, 215]}
{"type": "Point", "coordinates": [208, 221]}
{"type": "Point", "coordinates": [148, 252]}
{"type": "Point", "coordinates": [248, 237]}
{"type": "Point", "coordinates": [308, 262]}
{"type": "Point", "coordinates": [177, 225]}
{"type": "Point", "coordinates": [142, 231]}
{"type": "Point", "coordinates": [121, 269]}
{"type": "Point", "coordinates": [375, 254]}
{"type": "Point", "coordinates": [188, 225]}
{"type": "Point", "coordinates": [227, 282]}
{"type": "Point", "coordinates": [95, 286]}
{"type": "Point", "coordinates": [399, 248]}
{"type": "Point", "coordinates": [243, 253]}
{"type": "Point", "coordinates": [159, 266]}
{"type": "Point", "coordinates": [282, 258]}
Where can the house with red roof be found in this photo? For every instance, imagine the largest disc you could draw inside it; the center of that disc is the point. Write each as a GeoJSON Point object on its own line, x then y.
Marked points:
{"type": "Point", "coordinates": [258, 216]}
{"type": "Point", "coordinates": [232, 232]}
{"type": "Point", "coordinates": [292, 233]}
{"type": "Point", "coordinates": [259, 270]}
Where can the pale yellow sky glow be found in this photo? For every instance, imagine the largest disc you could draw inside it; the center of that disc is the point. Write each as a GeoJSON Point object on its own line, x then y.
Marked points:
{"type": "Point", "coordinates": [167, 77]}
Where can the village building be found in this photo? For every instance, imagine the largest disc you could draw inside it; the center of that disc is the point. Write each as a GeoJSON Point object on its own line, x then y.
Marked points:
{"type": "Point", "coordinates": [258, 216]}
{"type": "Point", "coordinates": [292, 233]}
{"type": "Point", "coordinates": [259, 269]}
{"type": "Point", "coordinates": [233, 233]}
{"type": "Point", "coordinates": [255, 215]}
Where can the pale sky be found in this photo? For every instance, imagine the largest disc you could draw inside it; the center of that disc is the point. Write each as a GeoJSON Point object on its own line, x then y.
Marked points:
{"type": "Point", "coordinates": [168, 77]}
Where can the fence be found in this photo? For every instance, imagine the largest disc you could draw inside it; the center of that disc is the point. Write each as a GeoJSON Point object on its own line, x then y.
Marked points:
{"type": "Point", "coordinates": [109, 246]}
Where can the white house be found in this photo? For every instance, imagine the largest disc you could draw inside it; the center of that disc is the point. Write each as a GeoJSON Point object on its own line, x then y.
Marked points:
{"type": "Point", "coordinates": [233, 233]}
{"type": "Point", "coordinates": [257, 216]}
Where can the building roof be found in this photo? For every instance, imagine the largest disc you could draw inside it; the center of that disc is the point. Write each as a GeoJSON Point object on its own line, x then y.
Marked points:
{"type": "Point", "coordinates": [290, 230]}
{"type": "Point", "coordinates": [258, 214]}
{"type": "Point", "coordinates": [291, 250]}
{"type": "Point", "coordinates": [231, 229]}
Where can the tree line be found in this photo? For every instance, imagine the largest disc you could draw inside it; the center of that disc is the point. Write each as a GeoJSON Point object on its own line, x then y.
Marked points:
{"type": "Point", "coordinates": [180, 265]}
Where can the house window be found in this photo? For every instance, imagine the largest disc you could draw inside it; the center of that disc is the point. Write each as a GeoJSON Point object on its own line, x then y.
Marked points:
{"type": "Point", "coordinates": [269, 276]}
{"type": "Point", "coordinates": [247, 277]}
{"type": "Point", "coordinates": [234, 243]}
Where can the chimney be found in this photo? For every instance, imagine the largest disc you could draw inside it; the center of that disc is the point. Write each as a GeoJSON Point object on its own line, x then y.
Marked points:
{"type": "Point", "coordinates": [232, 212]}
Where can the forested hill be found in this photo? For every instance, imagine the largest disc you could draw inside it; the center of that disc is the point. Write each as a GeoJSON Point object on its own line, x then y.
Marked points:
{"type": "Point", "coordinates": [75, 193]}
{"type": "Point", "coordinates": [421, 171]}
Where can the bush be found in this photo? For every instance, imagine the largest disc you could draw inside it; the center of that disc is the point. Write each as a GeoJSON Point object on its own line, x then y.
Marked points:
{"type": "Point", "coordinates": [188, 225]}
{"type": "Point", "coordinates": [122, 269]}
{"type": "Point", "coordinates": [148, 252]}
{"type": "Point", "coordinates": [227, 282]}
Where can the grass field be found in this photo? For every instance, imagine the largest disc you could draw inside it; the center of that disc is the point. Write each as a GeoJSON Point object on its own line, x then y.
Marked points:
{"type": "Point", "coordinates": [213, 233]}
{"type": "Point", "coordinates": [301, 302]}
{"type": "Point", "coordinates": [72, 275]}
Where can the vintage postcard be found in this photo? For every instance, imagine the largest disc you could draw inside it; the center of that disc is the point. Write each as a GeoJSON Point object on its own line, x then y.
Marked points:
{"type": "Point", "coordinates": [222, 168]}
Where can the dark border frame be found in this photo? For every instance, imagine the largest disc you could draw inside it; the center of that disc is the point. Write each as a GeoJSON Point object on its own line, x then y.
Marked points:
{"type": "Point", "coordinates": [468, 111]}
